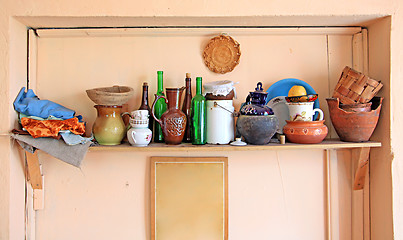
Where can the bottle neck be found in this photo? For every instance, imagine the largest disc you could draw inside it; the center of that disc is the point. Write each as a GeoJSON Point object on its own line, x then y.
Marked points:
{"type": "Point", "coordinates": [188, 86]}
{"type": "Point", "coordinates": [144, 101]}
{"type": "Point", "coordinates": [198, 85]}
{"type": "Point", "coordinates": [160, 87]}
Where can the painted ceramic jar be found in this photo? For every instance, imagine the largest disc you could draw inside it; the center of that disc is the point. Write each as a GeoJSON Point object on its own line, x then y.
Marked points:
{"type": "Point", "coordinates": [139, 134]}
{"type": "Point", "coordinates": [305, 131]}
{"type": "Point", "coordinates": [173, 121]}
{"type": "Point", "coordinates": [256, 103]}
{"type": "Point", "coordinates": [108, 128]}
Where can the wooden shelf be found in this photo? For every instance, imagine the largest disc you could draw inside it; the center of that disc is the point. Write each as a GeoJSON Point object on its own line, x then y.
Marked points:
{"type": "Point", "coordinates": [184, 147]}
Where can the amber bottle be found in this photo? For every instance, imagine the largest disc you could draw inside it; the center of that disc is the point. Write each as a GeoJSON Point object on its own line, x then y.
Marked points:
{"type": "Point", "coordinates": [186, 108]}
{"type": "Point", "coordinates": [145, 106]}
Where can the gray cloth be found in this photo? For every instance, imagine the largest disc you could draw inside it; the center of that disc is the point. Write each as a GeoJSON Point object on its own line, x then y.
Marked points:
{"type": "Point", "coordinates": [73, 155]}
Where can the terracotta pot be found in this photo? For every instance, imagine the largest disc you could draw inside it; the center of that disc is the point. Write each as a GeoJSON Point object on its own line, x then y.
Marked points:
{"type": "Point", "coordinates": [173, 121]}
{"type": "Point", "coordinates": [305, 131]}
{"type": "Point", "coordinates": [354, 126]}
{"type": "Point", "coordinates": [358, 107]}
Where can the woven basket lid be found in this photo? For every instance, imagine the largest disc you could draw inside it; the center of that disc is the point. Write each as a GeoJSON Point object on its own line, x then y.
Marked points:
{"type": "Point", "coordinates": [222, 54]}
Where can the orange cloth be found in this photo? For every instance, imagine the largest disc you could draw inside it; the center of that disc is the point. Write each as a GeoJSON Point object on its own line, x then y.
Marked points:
{"type": "Point", "coordinates": [51, 128]}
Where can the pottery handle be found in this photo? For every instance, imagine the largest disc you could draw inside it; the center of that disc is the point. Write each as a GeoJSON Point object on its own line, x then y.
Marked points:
{"type": "Point", "coordinates": [133, 138]}
{"type": "Point", "coordinates": [320, 113]}
{"type": "Point", "coordinates": [181, 94]}
{"type": "Point", "coordinates": [126, 113]}
{"type": "Point", "coordinates": [247, 101]}
{"type": "Point", "coordinates": [157, 97]}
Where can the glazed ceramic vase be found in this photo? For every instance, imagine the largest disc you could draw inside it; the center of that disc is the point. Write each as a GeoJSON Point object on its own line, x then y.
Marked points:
{"type": "Point", "coordinates": [173, 121]}
{"type": "Point", "coordinates": [305, 131]}
{"type": "Point", "coordinates": [353, 126]}
{"type": "Point", "coordinates": [108, 128]}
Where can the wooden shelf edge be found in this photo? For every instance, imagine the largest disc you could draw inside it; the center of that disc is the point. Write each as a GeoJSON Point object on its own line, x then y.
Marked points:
{"type": "Point", "coordinates": [326, 144]}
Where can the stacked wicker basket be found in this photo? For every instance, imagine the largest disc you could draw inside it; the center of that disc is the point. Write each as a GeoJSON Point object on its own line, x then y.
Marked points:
{"type": "Point", "coordinates": [355, 88]}
{"type": "Point", "coordinates": [354, 110]}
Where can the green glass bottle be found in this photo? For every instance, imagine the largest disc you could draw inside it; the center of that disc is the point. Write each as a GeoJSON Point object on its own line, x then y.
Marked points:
{"type": "Point", "coordinates": [198, 115]}
{"type": "Point", "coordinates": [159, 109]}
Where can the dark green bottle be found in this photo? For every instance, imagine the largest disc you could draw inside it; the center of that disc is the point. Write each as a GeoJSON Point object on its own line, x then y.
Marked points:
{"type": "Point", "coordinates": [198, 115]}
{"type": "Point", "coordinates": [159, 108]}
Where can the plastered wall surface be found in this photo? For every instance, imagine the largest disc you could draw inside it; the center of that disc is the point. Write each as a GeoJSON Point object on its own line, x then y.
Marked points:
{"type": "Point", "coordinates": [262, 200]}
{"type": "Point", "coordinates": [204, 8]}
{"type": "Point", "coordinates": [277, 190]}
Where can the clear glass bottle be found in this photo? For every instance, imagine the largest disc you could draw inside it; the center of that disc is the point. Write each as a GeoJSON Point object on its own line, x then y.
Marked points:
{"type": "Point", "coordinates": [144, 105]}
{"type": "Point", "coordinates": [186, 108]}
{"type": "Point", "coordinates": [198, 115]}
{"type": "Point", "coordinates": [159, 108]}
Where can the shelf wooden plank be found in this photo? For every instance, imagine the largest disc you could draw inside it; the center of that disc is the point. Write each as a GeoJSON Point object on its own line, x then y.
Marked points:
{"type": "Point", "coordinates": [326, 144]}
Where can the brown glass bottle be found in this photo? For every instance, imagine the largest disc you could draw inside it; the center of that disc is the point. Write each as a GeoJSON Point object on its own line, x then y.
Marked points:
{"type": "Point", "coordinates": [186, 108]}
{"type": "Point", "coordinates": [145, 106]}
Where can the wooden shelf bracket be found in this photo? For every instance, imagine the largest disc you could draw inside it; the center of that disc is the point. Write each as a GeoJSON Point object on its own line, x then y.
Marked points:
{"type": "Point", "coordinates": [363, 161]}
{"type": "Point", "coordinates": [36, 179]}
{"type": "Point", "coordinates": [34, 171]}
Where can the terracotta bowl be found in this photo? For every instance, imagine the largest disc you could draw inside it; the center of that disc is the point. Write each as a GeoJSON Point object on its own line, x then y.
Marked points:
{"type": "Point", "coordinates": [110, 96]}
{"type": "Point", "coordinates": [358, 107]}
{"type": "Point", "coordinates": [354, 126]}
{"type": "Point", "coordinates": [305, 132]}
{"type": "Point", "coordinates": [257, 130]}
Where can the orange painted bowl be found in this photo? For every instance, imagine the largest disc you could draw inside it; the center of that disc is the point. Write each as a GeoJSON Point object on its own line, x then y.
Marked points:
{"type": "Point", "coordinates": [305, 132]}
{"type": "Point", "coordinates": [303, 98]}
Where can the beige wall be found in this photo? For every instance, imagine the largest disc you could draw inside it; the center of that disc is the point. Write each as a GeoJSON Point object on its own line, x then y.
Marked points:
{"type": "Point", "coordinates": [12, 68]}
{"type": "Point", "coordinates": [270, 192]}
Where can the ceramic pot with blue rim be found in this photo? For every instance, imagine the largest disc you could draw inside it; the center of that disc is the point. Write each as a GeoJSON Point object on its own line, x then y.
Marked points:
{"type": "Point", "coordinates": [255, 103]}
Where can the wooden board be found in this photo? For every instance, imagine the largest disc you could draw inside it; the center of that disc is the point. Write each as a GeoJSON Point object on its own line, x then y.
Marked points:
{"type": "Point", "coordinates": [326, 144]}
{"type": "Point", "coordinates": [189, 198]}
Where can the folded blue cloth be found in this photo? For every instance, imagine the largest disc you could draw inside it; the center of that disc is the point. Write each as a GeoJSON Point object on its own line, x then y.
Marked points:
{"type": "Point", "coordinates": [29, 104]}
{"type": "Point", "coordinates": [73, 139]}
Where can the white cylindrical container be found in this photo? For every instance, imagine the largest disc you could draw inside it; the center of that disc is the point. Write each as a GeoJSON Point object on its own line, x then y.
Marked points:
{"type": "Point", "coordinates": [220, 121]}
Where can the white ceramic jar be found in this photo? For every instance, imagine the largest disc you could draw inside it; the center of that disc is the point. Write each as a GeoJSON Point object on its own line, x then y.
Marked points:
{"type": "Point", "coordinates": [220, 121]}
{"type": "Point", "coordinates": [139, 135]}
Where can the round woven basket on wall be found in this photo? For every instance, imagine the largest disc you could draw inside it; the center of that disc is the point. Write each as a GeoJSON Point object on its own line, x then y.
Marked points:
{"type": "Point", "coordinates": [222, 53]}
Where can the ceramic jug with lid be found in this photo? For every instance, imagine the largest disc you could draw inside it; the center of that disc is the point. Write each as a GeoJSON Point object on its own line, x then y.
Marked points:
{"type": "Point", "coordinates": [255, 103]}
